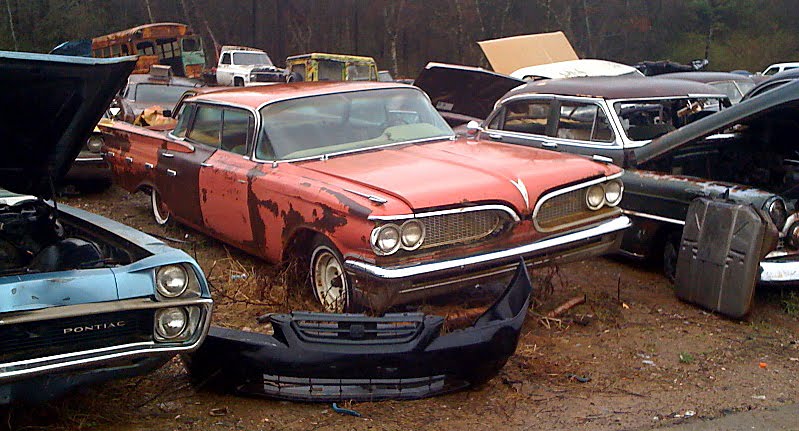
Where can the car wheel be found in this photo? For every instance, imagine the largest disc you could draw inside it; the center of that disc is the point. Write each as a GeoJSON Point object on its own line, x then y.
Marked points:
{"type": "Point", "coordinates": [238, 82]}
{"type": "Point", "coordinates": [160, 212]}
{"type": "Point", "coordinates": [671, 249]}
{"type": "Point", "coordinates": [330, 284]}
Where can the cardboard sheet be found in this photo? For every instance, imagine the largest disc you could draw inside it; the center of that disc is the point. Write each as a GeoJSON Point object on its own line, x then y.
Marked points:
{"type": "Point", "coordinates": [509, 54]}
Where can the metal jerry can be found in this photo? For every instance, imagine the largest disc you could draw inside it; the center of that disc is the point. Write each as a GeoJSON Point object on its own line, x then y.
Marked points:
{"type": "Point", "coordinates": [720, 251]}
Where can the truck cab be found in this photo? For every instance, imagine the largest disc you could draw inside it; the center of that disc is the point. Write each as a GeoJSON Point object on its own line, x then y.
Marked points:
{"type": "Point", "coordinates": [239, 66]}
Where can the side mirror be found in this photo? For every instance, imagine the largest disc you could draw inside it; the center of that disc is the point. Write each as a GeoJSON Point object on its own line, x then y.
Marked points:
{"type": "Point", "coordinates": [472, 128]}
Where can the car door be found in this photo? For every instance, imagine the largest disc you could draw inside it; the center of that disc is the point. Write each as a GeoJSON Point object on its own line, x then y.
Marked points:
{"type": "Point", "coordinates": [577, 126]}
{"type": "Point", "coordinates": [224, 179]}
{"type": "Point", "coordinates": [525, 121]}
{"type": "Point", "coordinates": [178, 168]}
{"type": "Point", "coordinates": [224, 73]}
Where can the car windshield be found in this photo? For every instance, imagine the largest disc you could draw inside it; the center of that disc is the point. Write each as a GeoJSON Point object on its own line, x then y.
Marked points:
{"type": "Point", "coordinates": [166, 96]}
{"type": "Point", "coordinates": [734, 90]}
{"type": "Point", "coordinates": [644, 120]}
{"type": "Point", "coordinates": [344, 122]}
{"type": "Point", "coordinates": [251, 58]}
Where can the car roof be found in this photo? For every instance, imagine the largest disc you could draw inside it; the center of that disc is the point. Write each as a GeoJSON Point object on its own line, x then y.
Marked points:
{"type": "Point", "coordinates": [575, 68]}
{"type": "Point", "coordinates": [334, 57]}
{"type": "Point", "coordinates": [612, 87]}
{"type": "Point", "coordinates": [705, 77]}
{"type": "Point", "coordinates": [772, 82]}
{"type": "Point", "coordinates": [790, 63]}
{"type": "Point", "coordinates": [255, 96]}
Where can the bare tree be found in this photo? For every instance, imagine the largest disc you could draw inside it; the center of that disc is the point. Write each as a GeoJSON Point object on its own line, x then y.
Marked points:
{"type": "Point", "coordinates": [11, 24]}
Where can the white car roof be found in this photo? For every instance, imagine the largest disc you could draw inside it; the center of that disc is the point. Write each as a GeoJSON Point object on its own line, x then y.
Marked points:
{"type": "Point", "coordinates": [576, 68]}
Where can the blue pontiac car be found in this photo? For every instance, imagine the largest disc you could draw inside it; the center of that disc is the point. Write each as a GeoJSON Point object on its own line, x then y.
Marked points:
{"type": "Point", "coordinates": [83, 299]}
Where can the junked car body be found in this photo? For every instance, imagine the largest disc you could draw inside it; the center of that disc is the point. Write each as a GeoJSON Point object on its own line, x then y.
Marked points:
{"type": "Point", "coordinates": [156, 89]}
{"type": "Point", "coordinates": [731, 84]}
{"type": "Point", "coordinates": [368, 184]}
{"type": "Point", "coordinates": [84, 299]}
{"type": "Point", "coordinates": [575, 69]}
{"type": "Point", "coordinates": [741, 153]}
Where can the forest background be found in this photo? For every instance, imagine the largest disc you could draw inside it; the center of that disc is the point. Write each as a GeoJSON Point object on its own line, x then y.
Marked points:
{"type": "Point", "coordinates": [403, 35]}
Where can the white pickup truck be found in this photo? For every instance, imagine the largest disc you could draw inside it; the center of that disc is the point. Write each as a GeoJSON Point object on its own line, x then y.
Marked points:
{"type": "Point", "coordinates": [239, 66]}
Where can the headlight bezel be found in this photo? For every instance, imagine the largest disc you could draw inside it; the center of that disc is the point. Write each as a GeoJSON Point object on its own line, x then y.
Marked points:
{"type": "Point", "coordinates": [161, 286]}
{"type": "Point", "coordinates": [159, 327]}
{"type": "Point", "coordinates": [407, 225]}
{"type": "Point", "coordinates": [375, 237]}
{"type": "Point", "coordinates": [97, 140]}
{"type": "Point", "coordinates": [613, 183]}
{"type": "Point", "coordinates": [771, 207]}
{"type": "Point", "coordinates": [598, 190]}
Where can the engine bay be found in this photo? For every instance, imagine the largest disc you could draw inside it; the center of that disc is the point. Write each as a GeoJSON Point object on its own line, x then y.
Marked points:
{"type": "Point", "coordinates": [34, 239]}
{"type": "Point", "coordinates": [760, 153]}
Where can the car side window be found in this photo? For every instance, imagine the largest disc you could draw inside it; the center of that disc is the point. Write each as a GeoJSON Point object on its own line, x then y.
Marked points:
{"type": "Point", "coordinates": [583, 122]}
{"type": "Point", "coordinates": [184, 116]}
{"type": "Point", "coordinates": [298, 68]}
{"type": "Point", "coordinates": [207, 126]}
{"type": "Point", "coordinates": [225, 58]}
{"type": "Point", "coordinates": [237, 129]}
{"type": "Point", "coordinates": [527, 116]}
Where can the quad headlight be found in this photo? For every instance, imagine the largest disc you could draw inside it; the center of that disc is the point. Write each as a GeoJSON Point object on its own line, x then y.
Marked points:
{"type": "Point", "coordinates": [171, 281]}
{"type": "Point", "coordinates": [171, 322]}
{"type": "Point", "coordinates": [608, 193]}
{"type": "Point", "coordinates": [389, 238]}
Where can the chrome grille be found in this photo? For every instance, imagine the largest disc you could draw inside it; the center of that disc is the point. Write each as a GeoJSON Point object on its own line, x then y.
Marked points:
{"type": "Point", "coordinates": [464, 227]}
{"type": "Point", "coordinates": [568, 209]}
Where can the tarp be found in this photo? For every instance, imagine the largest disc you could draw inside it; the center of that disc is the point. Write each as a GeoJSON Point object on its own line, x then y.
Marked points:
{"type": "Point", "coordinates": [509, 54]}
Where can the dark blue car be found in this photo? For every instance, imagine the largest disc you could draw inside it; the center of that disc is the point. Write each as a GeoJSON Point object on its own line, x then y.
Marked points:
{"type": "Point", "coordinates": [82, 298]}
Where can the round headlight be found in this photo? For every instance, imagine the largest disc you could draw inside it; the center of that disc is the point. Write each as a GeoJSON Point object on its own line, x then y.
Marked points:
{"type": "Point", "coordinates": [386, 239]}
{"type": "Point", "coordinates": [412, 234]}
{"type": "Point", "coordinates": [170, 322]}
{"type": "Point", "coordinates": [94, 144]}
{"type": "Point", "coordinates": [793, 235]}
{"type": "Point", "coordinates": [777, 212]}
{"type": "Point", "coordinates": [171, 280]}
{"type": "Point", "coordinates": [595, 197]}
{"type": "Point", "coordinates": [613, 191]}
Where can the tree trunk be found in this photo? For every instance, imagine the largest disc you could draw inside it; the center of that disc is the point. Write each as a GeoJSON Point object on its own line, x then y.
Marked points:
{"type": "Point", "coordinates": [11, 24]}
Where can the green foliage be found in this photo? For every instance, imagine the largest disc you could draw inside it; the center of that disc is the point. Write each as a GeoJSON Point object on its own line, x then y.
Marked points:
{"type": "Point", "coordinates": [686, 358]}
{"type": "Point", "coordinates": [790, 303]}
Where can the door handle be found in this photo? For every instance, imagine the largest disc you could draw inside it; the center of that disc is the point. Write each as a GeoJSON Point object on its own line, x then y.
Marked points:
{"type": "Point", "coordinates": [148, 166]}
{"type": "Point", "coordinates": [206, 165]}
{"type": "Point", "coordinates": [171, 173]}
{"type": "Point", "coordinates": [495, 136]}
{"type": "Point", "coordinates": [550, 145]}
{"type": "Point", "coordinates": [129, 159]}
{"type": "Point", "coordinates": [242, 181]}
{"type": "Point", "coordinates": [167, 155]}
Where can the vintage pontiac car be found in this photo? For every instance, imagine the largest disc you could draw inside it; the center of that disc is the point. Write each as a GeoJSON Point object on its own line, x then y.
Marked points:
{"type": "Point", "coordinates": [742, 153]}
{"type": "Point", "coordinates": [367, 183]}
{"type": "Point", "coordinates": [84, 299]}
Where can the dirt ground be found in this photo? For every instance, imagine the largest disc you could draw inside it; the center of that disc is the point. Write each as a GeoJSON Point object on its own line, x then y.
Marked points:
{"type": "Point", "coordinates": [652, 361]}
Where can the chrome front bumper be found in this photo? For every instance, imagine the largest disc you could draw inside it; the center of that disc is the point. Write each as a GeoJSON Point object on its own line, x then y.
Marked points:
{"type": "Point", "coordinates": [381, 287]}
{"type": "Point", "coordinates": [98, 358]}
{"type": "Point", "coordinates": [779, 271]}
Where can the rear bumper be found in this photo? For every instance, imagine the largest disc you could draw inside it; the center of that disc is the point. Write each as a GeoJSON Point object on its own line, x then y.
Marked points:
{"type": "Point", "coordinates": [334, 357]}
{"type": "Point", "coordinates": [380, 287]}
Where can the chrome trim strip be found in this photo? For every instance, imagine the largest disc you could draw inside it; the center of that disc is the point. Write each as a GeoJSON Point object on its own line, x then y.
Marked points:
{"type": "Point", "coordinates": [503, 208]}
{"type": "Point", "coordinates": [94, 308]}
{"type": "Point", "coordinates": [653, 217]}
{"type": "Point", "coordinates": [611, 226]}
{"type": "Point", "coordinates": [565, 190]}
{"type": "Point", "coordinates": [89, 159]}
{"type": "Point", "coordinates": [504, 269]}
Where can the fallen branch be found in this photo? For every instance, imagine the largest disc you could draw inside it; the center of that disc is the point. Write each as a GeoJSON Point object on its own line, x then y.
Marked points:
{"type": "Point", "coordinates": [566, 306]}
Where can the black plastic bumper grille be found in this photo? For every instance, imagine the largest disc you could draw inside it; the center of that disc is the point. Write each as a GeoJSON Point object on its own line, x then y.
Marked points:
{"type": "Point", "coordinates": [38, 339]}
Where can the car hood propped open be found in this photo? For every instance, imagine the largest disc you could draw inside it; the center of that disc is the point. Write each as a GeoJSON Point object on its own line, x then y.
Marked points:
{"type": "Point", "coordinates": [50, 104]}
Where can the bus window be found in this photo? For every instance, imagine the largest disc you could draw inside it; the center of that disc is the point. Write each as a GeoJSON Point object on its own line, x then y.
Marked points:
{"type": "Point", "coordinates": [145, 48]}
{"type": "Point", "coordinates": [192, 44]}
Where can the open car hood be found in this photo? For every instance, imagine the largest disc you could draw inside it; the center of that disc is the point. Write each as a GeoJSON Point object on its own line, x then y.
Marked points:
{"type": "Point", "coordinates": [50, 104]}
{"type": "Point", "coordinates": [786, 97]}
{"type": "Point", "coordinates": [464, 90]}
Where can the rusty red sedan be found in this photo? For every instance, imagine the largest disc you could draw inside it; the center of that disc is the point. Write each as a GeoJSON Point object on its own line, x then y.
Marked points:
{"type": "Point", "coordinates": [368, 185]}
